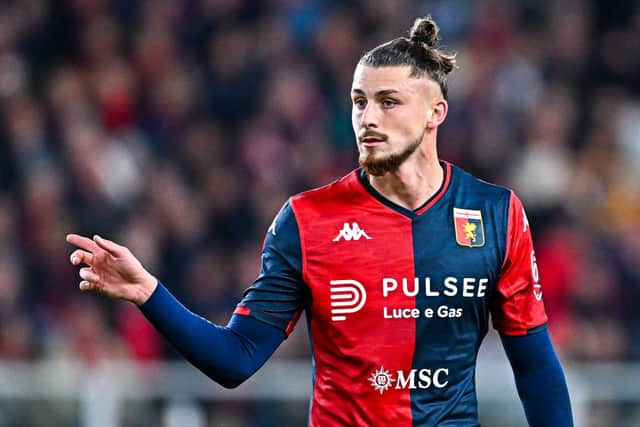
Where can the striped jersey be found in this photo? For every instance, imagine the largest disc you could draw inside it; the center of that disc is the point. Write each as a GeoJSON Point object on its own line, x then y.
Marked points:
{"type": "Point", "coordinates": [398, 300]}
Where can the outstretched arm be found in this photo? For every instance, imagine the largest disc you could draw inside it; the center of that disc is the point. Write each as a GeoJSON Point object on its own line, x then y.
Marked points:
{"type": "Point", "coordinates": [539, 379]}
{"type": "Point", "coordinates": [228, 355]}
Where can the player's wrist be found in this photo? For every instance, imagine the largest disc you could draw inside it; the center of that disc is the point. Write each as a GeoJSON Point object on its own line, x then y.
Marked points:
{"type": "Point", "coordinates": [145, 290]}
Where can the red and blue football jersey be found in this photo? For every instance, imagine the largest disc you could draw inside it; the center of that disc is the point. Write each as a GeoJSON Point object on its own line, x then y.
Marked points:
{"type": "Point", "coordinates": [398, 301]}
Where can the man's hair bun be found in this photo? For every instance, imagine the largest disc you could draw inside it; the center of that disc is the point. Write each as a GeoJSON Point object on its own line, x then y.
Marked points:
{"type": "Point", "coordinates": [425, 31]}
{"type": "Point", "coordinates": [420, 51]}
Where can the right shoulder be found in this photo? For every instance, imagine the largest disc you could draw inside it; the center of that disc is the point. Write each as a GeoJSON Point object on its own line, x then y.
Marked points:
{"type": "Point", "coordinates": [323, 198]}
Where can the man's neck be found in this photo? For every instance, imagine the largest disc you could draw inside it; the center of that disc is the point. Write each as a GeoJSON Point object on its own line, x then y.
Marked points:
{"type": "Point", "coordinates": [415, 182]}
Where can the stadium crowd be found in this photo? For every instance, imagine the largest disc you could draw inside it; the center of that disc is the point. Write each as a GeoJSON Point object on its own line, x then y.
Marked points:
{"type": "Point", "coordinates": [179, 128]}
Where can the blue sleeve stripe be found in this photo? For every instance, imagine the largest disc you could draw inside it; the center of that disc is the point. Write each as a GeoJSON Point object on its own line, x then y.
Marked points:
{"type": "Point", "coordinates": [538, 329]}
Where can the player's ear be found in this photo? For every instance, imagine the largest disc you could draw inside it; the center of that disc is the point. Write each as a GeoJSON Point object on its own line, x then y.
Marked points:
{"type": "Point", "coordinates": [437, 113]}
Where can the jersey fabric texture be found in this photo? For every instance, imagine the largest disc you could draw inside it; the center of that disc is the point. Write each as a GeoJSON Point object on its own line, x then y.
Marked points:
{"type": "Point", "coordinates": [398, 301]}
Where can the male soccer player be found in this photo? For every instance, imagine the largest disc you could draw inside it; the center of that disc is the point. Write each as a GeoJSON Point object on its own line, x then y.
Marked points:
{"type": "Point", "coordinates": [398, 265]}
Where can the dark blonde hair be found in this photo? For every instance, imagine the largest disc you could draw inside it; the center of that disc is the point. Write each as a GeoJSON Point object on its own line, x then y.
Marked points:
{"type": "Point", "coordinates": [420, 51]}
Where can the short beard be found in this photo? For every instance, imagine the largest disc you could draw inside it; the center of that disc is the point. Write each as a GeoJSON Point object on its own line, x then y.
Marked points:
{"type": "Point", "coordinates": [390, 163]}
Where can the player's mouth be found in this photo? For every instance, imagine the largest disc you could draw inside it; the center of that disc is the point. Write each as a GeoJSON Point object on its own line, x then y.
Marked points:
{"type": "Point", "coordinates": [371, 140]}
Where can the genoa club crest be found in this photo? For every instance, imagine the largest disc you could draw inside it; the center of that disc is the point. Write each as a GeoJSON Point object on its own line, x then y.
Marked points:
{"type": "Point", "coordinates": [469, 229]}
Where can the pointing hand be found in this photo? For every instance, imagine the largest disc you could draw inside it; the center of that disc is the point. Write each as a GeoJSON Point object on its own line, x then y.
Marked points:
{"type": "Point", "coordinates": [111, 269]}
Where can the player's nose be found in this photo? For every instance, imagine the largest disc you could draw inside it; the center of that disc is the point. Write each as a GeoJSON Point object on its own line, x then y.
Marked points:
{"type": "Point", "coordinates": [370, 117]}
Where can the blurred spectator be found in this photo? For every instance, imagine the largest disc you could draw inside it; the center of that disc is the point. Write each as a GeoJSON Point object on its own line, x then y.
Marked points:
{"type": "Point", "coordinates": [181, 127]}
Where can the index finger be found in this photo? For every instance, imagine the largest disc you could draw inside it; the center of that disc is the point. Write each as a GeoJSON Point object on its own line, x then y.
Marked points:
{"type": "Point", "coordinates": [82, 242]}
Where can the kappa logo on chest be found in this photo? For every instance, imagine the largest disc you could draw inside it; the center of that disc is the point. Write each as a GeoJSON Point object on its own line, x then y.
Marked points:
{"type": "Point", "coordinates": [351, 232]}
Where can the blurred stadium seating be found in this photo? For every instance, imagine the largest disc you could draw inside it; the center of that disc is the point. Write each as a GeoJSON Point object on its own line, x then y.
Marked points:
{"type": "Point", "coordinates": [179, 127]}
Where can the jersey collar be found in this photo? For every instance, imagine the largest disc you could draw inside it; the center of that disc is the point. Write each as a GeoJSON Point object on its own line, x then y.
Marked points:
{"type": "Point", "coordinates": [446, 167]}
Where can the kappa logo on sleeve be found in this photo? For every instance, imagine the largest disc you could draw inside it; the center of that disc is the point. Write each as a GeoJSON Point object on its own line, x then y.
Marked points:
{"type": "Point", "coordinates": [272, 227]}
{"type": "Point", "coordinates": [525, 221]}
{"type": "Point", "coordinates": [351, 232]}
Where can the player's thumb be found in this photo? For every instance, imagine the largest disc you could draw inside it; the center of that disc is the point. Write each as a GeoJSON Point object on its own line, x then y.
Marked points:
{"type": "Point", "coordinates": [109, 246]}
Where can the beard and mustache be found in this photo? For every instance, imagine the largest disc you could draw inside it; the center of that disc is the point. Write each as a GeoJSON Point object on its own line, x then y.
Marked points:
{"type": "Point", "coordinates": [380, 165]}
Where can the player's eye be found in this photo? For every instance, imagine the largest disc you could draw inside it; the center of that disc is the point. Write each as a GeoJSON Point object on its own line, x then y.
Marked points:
{"type": "Point", "coordinates": [360, 102]}
{"type": "Point", "coordinates": [389, 103]}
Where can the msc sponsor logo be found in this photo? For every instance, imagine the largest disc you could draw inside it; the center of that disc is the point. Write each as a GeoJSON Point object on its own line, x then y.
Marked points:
{"type": "Point", "coordinates": [381, 380]}
{"type": "Point", "coordinates": [347, 297]}
{"type": "Point", "coordinates": [415, 379]}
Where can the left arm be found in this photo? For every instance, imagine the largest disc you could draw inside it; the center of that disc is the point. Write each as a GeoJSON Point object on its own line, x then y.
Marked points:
{"type": "Point", "coordinates": [539, 379]}
{"type": "Point", "coordinates": [518, 314]}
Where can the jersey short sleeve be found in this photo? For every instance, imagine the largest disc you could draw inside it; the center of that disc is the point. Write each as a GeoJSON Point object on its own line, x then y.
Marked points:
{"type": "Point", "coordinates": [278, 295]}
{"type": "Point", "coordinates": [517, 307]}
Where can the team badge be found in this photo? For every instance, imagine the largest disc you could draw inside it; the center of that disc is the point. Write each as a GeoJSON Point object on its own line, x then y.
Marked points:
{"type": "Point", "coordinates": [469, 229]}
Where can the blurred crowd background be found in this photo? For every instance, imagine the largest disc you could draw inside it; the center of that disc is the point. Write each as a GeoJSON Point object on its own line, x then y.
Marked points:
{"type": "Point", "coordinates": [179, 128]}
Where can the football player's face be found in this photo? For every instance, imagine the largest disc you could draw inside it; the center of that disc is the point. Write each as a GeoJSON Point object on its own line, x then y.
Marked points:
{"type": "Point", "coordinates": [391, 112]}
